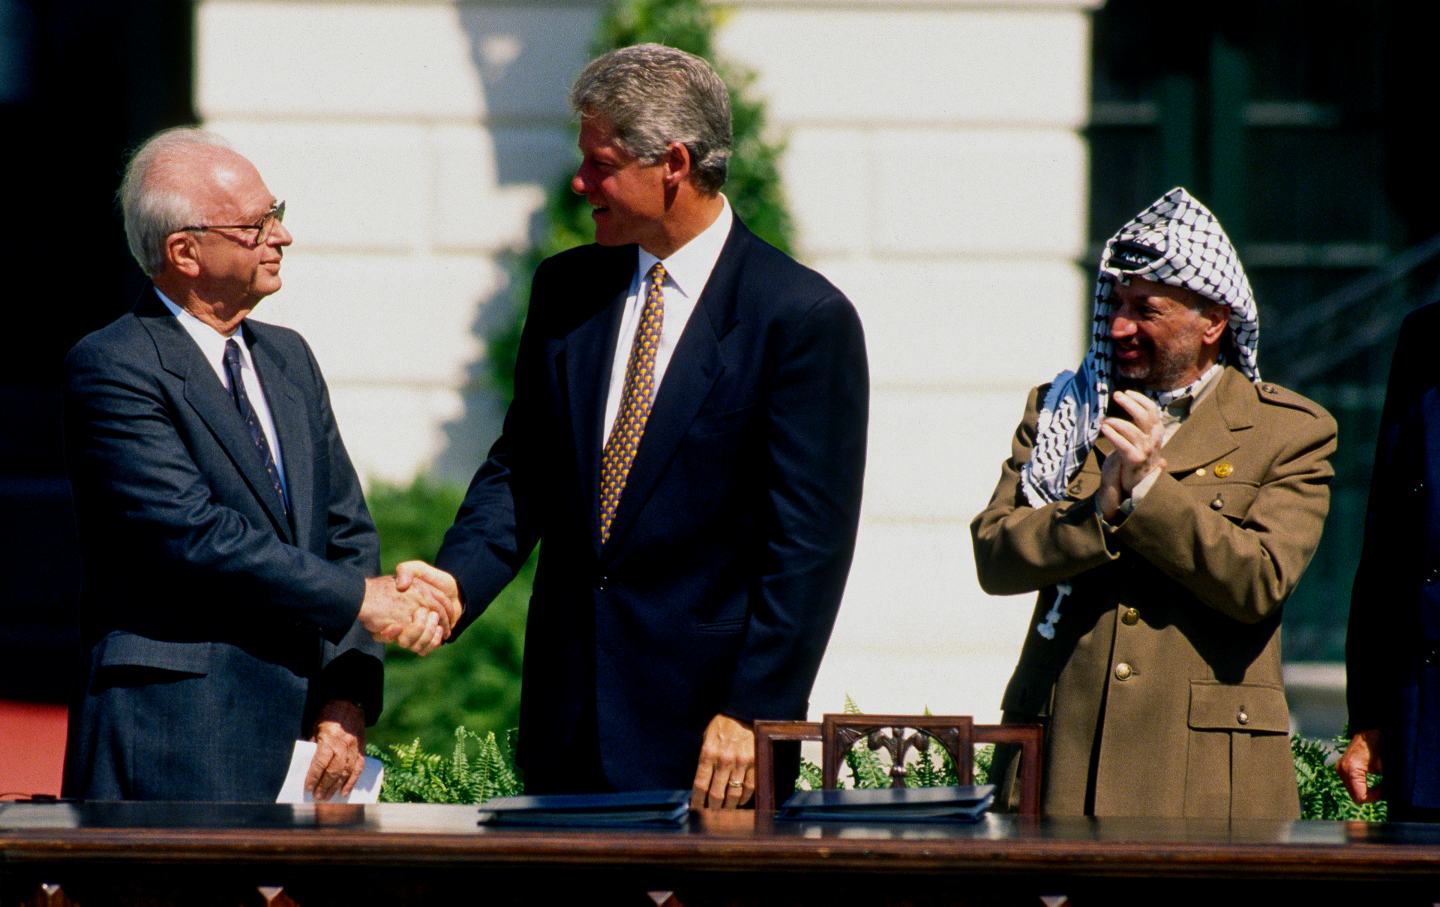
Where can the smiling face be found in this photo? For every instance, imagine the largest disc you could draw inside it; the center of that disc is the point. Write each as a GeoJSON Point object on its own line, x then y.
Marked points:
{"type": "Point", "coordinates": [628, 198]}
{"type": "Point", "coordinates": [1163, 337]}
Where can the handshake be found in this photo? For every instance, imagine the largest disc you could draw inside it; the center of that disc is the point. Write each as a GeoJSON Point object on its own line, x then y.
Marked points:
{"type": "Point", "coordinates": [415, 609]}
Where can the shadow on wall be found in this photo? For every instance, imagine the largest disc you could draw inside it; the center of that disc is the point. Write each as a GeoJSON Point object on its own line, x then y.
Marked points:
{"type": "Point", "coordinates": [525, 60]}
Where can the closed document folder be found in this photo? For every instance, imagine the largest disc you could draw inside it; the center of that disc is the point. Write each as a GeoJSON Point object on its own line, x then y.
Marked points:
{"type": "Point", "coordinates": [628, 809]}
{"type": "Point", "coordinates": [901, 804]}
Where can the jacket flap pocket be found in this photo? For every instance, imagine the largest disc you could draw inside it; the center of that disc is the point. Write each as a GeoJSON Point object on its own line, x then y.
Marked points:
{"type": "Point", "coordinates": [1233, 499]}
{"type": "Point", "coordinates": [1251, 707]}
{"type": "Point", "coordinates": [120, 648]}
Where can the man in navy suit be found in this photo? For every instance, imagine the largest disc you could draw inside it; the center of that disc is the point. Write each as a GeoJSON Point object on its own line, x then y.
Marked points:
{"type": "Point", "coordinates": [1392, 651]}
{"type": "Point", "coordinates": [230, 602]}
{"type": "Point", "coordinates": [686, 443]}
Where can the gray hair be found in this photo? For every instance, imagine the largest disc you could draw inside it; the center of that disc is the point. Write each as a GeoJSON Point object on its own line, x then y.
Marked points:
{"type": "Point", "coordinates": [153, 202]}
{"type": "Point", "coordinates": [654, 95]}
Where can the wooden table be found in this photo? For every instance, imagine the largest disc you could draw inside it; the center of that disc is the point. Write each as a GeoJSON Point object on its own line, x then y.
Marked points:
{"type": "Point", "coordinates": [187, 853]}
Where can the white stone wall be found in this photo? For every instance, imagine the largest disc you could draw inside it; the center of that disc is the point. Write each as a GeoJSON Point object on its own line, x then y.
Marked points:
{"type": "Point", "coordinates": [934, 167]}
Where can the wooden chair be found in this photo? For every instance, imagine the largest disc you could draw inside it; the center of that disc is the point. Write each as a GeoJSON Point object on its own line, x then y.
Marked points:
{"type": "Point", "coordinates": [838, 733]}
{"type": "Point", "coordinates": [1031, 740]}
{"type": "Point", "coordinates": [897, 735]}
{"type": "Point", "coordinates": [767, 733]}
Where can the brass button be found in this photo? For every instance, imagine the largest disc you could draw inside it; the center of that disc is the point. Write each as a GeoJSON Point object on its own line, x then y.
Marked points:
{"type": "Point", "coordinates": [1074, 488]}
{"type": "Point", "coordinates": [1123, 671]}
{"type": "Point", "coordinates": [1224, 470]}
{"type": "Point", "coordinates": [1130, 618]}
{"type": "Point", "coordinates": [1243, 716]}
{"type": "Point", "coordinates": [1218, 503]}
{"type": "Point", "coordinates": [1269, 389]}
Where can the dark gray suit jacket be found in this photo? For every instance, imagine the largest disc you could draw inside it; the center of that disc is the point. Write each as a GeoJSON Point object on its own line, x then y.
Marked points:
{"type": "Point", "coordinates": [730, 548]}
{"type": "Point", "coordinates": [215, 624]}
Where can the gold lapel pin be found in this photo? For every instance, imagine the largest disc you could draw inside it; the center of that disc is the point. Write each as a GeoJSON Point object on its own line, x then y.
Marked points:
{"type": "Point", "coordinates": [1223, 470]}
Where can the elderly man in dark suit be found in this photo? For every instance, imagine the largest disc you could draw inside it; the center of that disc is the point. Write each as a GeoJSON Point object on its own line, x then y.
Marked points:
{"type": "Point", "coordinates": [230, 599]}
{"type": "Point", "coordinates": [686, 442]}
{"type": "Point", "coordinates": [1392, 652]}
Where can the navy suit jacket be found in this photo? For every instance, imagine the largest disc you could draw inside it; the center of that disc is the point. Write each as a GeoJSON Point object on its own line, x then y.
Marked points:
{"type": "Point", "coordinates": [1392, 655]}
{"type": "Point", "coordinates": [214, 622]}
{"type": "Point", "coordinates": [728, 554]}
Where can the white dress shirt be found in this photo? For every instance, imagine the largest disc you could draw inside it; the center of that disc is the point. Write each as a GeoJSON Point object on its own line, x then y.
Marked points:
{"type": "Point", "coordinates": [212, 347]}
{"type": "Point", "coordinates": [686, 273]}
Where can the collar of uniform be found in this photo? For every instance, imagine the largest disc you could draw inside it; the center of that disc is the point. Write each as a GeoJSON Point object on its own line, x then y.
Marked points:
{"type": "Point", "coordinates": [210, 341]}
{"type": "Point", "coordinates": [1178, 411]}
{"type": "Point", "coordinates": [689, 267]}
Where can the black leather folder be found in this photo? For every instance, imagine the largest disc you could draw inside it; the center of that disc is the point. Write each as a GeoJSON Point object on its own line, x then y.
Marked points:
{"type": "Point", "coordinates": [628, 809]}
{"type": "Point", "coordinates": [904, 804]}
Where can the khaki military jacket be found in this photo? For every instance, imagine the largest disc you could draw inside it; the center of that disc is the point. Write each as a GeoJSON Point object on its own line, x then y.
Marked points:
{"type": "Point", "coordinates": [1161, 689]}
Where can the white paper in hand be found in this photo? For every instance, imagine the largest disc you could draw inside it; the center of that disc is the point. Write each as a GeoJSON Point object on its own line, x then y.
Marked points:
{"type": "Point", "coordinates": [367, 789]}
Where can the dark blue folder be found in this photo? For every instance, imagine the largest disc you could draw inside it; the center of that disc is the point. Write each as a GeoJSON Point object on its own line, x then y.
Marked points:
{"type": "Point", "coordinates": [901, 804]}
{"type": "Point", "coordinates": [627, 809]}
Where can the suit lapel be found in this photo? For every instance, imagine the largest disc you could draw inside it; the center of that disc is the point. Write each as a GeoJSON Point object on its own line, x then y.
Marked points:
{"type": "Point", "coordinates": [289, 409]}
{"type": "Point", "coordinates": [211, 402]}
{"type": "Point", "coordinates": [583, 366]}
{"type": "Point", "coordinates": [692, 371]}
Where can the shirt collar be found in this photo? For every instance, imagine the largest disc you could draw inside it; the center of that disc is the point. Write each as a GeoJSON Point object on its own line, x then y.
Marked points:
{"type": "Point", "coordinates": [210, 341]}
{"type": "Point", "coordinates": [688, 267]}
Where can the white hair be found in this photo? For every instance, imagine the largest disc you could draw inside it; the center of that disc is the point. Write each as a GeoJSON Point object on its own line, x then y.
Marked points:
{"type": "Point", "coordinates": [153, 205]}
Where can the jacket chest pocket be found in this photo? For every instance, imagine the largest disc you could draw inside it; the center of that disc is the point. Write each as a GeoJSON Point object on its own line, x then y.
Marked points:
{"type": "Point", "coordinates": [1230, 499]}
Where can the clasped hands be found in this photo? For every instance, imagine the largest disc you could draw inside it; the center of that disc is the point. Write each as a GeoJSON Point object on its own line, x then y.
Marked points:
{"type": "Point", "coordinates": [1137, 450]}
{"type": "Point", "coordinates": [416, 609]}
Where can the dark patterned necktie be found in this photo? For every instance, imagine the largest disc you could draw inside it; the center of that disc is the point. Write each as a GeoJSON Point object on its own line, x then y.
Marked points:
{"type": "Point", "coordinates": [635, 402]}
{"type": "Point", "coordinates": [252, 421]}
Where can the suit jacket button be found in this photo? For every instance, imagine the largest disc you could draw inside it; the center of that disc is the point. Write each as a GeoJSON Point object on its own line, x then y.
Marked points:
{"type": "Point", "coordinates": [1242, 716]}
{"type": "Point", "coordinates": [1433, 575]}
{"type": "Point", "coordinates": [1123, 671]}
{"type": "Point", "coordinates": [1130, 618]}
{"type": "Point", "coordinates": [603, 581]}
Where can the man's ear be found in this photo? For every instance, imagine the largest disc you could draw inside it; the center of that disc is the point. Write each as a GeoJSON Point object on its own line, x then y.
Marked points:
{"type": "Point", "coordinates": [182, 253]}
{"type": "Point", "coordinates": [677, 164]}
{"type": "Point", "coordinates": [1217, 318]}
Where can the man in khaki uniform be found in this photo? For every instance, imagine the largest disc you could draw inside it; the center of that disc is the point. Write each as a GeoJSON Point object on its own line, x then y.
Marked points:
{"type": "Point", "coordinates": [1164, 521]}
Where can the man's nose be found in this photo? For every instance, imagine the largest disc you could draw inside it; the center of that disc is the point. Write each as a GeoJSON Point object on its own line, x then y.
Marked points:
{"type": "Point", "coordinates": [577, 183]}
{"type": "Point", "coordinates": [1121, 326]}
{"type": "Point", "coordinates": [280, 235]}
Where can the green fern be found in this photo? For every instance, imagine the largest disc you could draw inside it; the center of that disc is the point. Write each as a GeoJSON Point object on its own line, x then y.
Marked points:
{"type": "Point", "coordinates": [1322, 792]}
{"type": "Point", "coordinates": [413, 775]}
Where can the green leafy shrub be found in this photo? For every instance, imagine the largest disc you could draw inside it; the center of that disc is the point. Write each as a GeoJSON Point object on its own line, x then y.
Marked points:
{"type": "Point", "coordinates": [413, 775]}
{"type": "Point", "coordinates": [473, 682]}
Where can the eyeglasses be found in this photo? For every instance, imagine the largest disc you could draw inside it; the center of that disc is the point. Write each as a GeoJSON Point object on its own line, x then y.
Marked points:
{"type": "Point", "coordinates": [262, 227]}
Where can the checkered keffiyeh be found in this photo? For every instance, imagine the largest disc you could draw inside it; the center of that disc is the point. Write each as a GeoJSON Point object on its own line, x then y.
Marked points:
{"type": "Point", "coordinates": [1175, 241]}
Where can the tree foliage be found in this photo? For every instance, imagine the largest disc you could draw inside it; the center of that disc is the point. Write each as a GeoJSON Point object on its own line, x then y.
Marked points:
{"type": "Point", "coordinates": [472, 682]}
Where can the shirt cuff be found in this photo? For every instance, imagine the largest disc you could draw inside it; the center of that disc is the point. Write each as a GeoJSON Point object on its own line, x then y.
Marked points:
{"type": "Point", "coordinates": [1137, 494]}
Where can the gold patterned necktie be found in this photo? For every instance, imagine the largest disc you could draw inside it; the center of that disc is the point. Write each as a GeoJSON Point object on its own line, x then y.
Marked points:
{"type": "Point", "coordinates": [635, 402]}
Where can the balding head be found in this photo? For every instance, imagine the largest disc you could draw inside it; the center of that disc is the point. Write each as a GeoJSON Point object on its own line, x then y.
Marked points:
{"type": "Point", "coordinates": [169, 182]}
